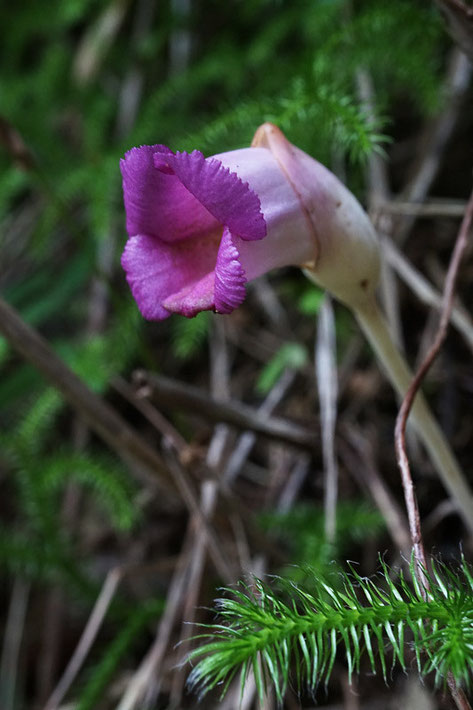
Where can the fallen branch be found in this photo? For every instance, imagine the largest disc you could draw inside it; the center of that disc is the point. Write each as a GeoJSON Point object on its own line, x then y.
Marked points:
{"type": "Point", "coordinates": [99, 415]}
{"type": "Point", "coordinates": [173, 394]}
{"type": "Point", "coordinates": [459, 18]}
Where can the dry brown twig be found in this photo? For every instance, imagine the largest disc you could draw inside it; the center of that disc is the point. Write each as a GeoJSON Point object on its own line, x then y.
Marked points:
{"type": "Point", "coordinates": [459, 17]}
{"type": "Point", "coordinates": [401, 421]}
{"type": "Point", "coordinates": [15, 146]}
{"type": "Point", "coordinates": [327, 385]}
{"type": "Point", "coordinates": [13, 633]}
{"type": "Point", "coordinates": [428, 209]}
{"type": "Point", "coordinates": [426, 292]}
{"type": "Point", "coordinates": [411, 503]}
{"type": "Point", "coordinates": [88, 637]}
{"type": "Point", "coordinates": [247, 439]}
{"type": "Point", "coordinates": [145, 681]}
{"type": "Point", "coordinates": [434, 141]}
{"type": "Point", "coordinates": [173, 394]}
{"type": "Point", "coordinates": [364, 469]}
{"type": "Point", "coordinates": [220, 366]}
{"type": "Point", "coordinates": [101, 417]}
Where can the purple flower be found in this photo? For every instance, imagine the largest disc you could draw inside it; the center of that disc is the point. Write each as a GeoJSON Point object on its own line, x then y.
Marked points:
{"type": "Point", "coordinates": [201, 228]}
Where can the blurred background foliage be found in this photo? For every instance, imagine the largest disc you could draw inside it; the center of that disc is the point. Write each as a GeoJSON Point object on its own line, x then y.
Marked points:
{"type": "Point", "coordinates": [81, 82]}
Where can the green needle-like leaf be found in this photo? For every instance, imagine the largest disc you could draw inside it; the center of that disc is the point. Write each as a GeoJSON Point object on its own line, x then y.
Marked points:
{"type": "Point", "coordinates": [276, 633]}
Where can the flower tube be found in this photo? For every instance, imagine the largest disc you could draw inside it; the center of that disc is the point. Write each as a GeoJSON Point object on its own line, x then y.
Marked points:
{"type": "Point", "coordinates": [201, 228]}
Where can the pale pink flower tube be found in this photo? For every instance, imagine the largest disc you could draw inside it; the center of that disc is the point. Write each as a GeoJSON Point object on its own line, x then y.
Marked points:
{"type": "Point", "coordinates": [201, 228]}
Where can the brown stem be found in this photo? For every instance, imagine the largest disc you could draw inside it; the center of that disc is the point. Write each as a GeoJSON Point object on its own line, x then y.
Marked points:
{"type": "Point", "coordinates": [458, 695]}
{"type": "Point", "coordinates": [401, 421]}
{"type": "Point", "coordinates": [98, 414]}
{"type": "Point", "coordinates": [172, 394]}
{"type": "Point", "coordinates": [433, 438]}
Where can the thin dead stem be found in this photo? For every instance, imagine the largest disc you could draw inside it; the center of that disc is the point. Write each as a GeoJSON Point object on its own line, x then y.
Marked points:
{"type": "Point", "coordinates": [172, 394]}
{"type": "Point", "coordinates": [426, 292]}
{"type": "Point", "coordinates": [435, 141]}
{"type": "Point", "coordinates": [401, 421]}
{"type": "Point", "coordinates": [400, 429]}
{"type": "Point", "coordinates": [327, 385]}
{"type": "Point", "coordinates": [100, 416]}
{"type": "Point", "coordinates": [88, 637]}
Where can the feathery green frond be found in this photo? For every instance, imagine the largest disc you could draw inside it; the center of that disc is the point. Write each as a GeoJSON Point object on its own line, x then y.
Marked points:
{"type": "Point", "coordinates": [273, 630]}
{"type": "Point", "coordinates": [32, 431]}
{"type": "Point", "coordinates": [112, 489]}
{"type": "Point", "coordinates": [189, 335]}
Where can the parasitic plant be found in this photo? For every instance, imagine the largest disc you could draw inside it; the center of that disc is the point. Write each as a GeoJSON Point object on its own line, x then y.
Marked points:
{"type": "Point", "coordinates": [200, 228]}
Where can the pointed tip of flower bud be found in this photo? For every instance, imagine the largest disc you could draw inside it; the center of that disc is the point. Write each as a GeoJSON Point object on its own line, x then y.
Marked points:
{"type": "Point", "coordinates": [345, 243]}
{"type": "Point", "coordinates": [271, 137]}
{"type": "Point", "coordinates": [267, 135]}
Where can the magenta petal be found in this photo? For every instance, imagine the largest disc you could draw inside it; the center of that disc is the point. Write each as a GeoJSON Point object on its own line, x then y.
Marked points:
{"type": "Point", "coordinates": [193, 298]}
{"type": "Point", "coordinates": [156, 201]}
{"type": "Point", "coordinates": [167, 277]}
{"type": "Point", "coordinates": [230, 279]}
{"type": "Point", "coordinates": [223, 194]}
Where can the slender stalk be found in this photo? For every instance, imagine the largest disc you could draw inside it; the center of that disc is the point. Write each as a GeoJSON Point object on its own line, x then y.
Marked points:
{"type": "Point", "coordinates": [326, 371]}
{"type": "Point", "coordinates": [87, 639]}
{"type": "Point", "coordinates": [401, 421]}
{"type": "Point", "coordinates": [458, 694]}
{"type": "Point", "coordinates": [433, 438]}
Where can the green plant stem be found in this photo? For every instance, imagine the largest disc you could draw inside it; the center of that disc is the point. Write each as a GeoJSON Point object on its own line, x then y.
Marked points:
{"type": "Point", "coordinates": [373, 325]}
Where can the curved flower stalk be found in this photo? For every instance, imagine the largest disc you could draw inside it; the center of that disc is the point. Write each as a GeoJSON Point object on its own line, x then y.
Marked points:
{"type": "Point", "coordinates": [271, 632]}
{"type": "Point", "coordinates": [199, 229]}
